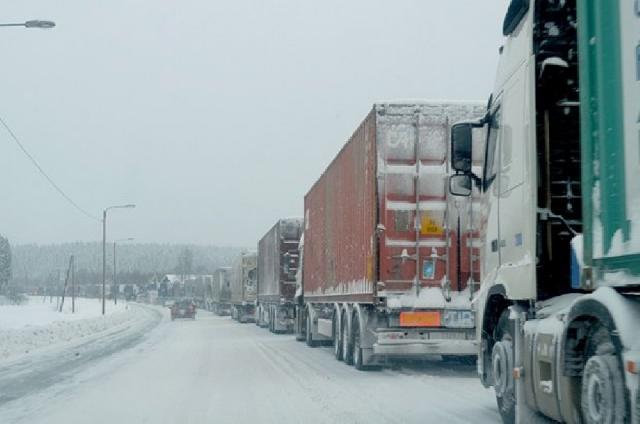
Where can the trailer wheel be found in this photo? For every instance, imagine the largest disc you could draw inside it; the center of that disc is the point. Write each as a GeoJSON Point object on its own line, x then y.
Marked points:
{"type": "Point", "coordinates": [347, 347]}
{"type": "Point", "coordinates": [502, 366]}
{"type": "Point", "coordinates": [299, 328]}
{"type": "Point", "coordinates": [272, 315]}
{"type": "Point", "coordinates": [603, 391]}
{"type": "Point", "coordinates": [357, 350]}
{"type": "Point", "coordinates": [337, 337]}
{"type": "Point", "coordinates": [309, 331]}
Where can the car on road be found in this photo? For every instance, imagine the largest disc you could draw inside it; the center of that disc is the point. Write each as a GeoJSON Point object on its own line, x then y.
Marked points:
{"type": "Point", "coordinates": [185, 308]}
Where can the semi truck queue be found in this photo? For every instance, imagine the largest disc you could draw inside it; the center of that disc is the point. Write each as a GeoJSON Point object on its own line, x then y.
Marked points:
{"type": "Point", "coordinates": [504, 232]}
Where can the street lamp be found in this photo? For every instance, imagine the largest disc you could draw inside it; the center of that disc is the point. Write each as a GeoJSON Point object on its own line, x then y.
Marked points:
{"type": "Point", "coordinates": [104, 247]}
{"type": "Point", "coordinates": [33, 24]}
{"type": "Point", "coordinates": [115, 284]}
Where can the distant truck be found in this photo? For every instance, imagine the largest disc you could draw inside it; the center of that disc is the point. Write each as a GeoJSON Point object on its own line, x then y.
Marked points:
{"type": "Point", "coordinates": [387, 265]}
{"type": "Point", "coordinates": [277, 267]}
{"type": "Point", "coordinates": [221, 291]}
{"type": "Point", "coordinates": [243, 287]}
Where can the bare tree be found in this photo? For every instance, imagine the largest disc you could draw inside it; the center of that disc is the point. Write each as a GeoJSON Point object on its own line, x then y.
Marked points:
{"type": "Point", "coordinates": [5, 263]}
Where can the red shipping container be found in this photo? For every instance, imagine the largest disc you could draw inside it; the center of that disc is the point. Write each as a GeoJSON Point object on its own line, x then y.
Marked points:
{"type": "Point", "coordinates": [377, 220]}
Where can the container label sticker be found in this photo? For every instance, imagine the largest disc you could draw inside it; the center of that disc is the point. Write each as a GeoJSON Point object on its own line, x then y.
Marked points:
{"type": "Point", "coordinates": [428, 269]}
{"type": "Point", "coordinates": [429, 226]}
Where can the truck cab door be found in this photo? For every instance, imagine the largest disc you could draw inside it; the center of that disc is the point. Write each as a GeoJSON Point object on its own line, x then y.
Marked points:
{"type": "Point", "coordinates": [489, 229]}
{"type": "Point", "coordinates": [516, 201]}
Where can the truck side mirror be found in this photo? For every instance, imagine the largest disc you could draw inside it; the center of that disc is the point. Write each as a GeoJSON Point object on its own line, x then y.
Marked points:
{"type": "Point", "coordinates": [461, 140]}
{"type": "Point", "coordinates": [460, 185]}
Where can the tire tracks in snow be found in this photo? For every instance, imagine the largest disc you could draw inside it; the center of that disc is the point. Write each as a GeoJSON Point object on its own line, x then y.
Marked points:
{"type": "Point", "coordinates": [297, 369]}
{"type": "Point", "coordinates": [52, 365]}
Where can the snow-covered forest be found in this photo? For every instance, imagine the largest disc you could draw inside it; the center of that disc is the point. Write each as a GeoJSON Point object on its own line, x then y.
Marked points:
{"type": "Point", "coordinates": [39, 264]}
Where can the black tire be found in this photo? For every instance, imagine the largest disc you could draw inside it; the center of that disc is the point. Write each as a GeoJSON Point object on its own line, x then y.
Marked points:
{"type": "Point", "coordinates": [272, 326]}
{"type": "Point", "coordinates": [347, 346]}
{"type": "Point", "coordinates": [299, 327]}
{"type": "Point", "coordinates": [337, 337]}
{"type": "Point", "coordinates": [502, 358]}
{"type": "Point", "coordinates": [603, 393]}
{"type": "Point", "coordinates": [357, 350]}
{"type": "Point", "coordinates": [309, 331]}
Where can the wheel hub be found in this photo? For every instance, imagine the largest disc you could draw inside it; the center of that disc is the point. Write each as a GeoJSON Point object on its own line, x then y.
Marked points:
{"type": "Point", "coordinates": [595, 398]}
{"type": "Point", "coordinates": [502, 366]}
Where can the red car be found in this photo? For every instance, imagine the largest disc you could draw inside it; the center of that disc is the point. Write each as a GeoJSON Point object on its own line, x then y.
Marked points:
{"type": "Point", "coordinates": [183, 309]}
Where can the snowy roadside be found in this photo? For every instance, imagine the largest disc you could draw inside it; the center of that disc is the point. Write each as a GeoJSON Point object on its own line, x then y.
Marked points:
{"type": "Point", "coordinates": [41, 347]}
{"type": "Point", "coordinates": [36, 326]}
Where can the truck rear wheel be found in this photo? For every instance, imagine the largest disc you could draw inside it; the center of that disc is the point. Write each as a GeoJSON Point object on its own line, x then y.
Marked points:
{"type": "Point", "coordinates": [602, 397]}
{"type": "Point", "coordinates": [299, 328]}
{"type": "Point", "coordinates": [337, 338]}
{"type": "Point", "coordinates": [357, 350]}
{"type": "Point", "coordinates": [309, 331]}
{"type": "Point", "coordinates": [347, 347]}
{"type": "Point", "coordinates": [259, 316]}
{"type": "Point", "coordinates": [502, 367]}
{"type": "Point", "coordinates": [272, 318]}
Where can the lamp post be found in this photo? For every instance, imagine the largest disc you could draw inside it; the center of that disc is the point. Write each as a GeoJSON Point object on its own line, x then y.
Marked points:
{"type": "Point", "coordinates": [115, 284]}
{"type": "Point", "coordinates": [104, 248]}
{"type": "Point", "coordinates": [32, 24]}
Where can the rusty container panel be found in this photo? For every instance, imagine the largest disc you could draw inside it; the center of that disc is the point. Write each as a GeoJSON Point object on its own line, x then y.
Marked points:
{"type": "Point", "coordinates": [418, 216]}
{"type": "Point", "coordinates": [278, 261]}
{"type": "Point", "coordinates": [244, 278]}
{"type": "Point", "coordinates": [340, 224]}
{"type": "Point", "coordinates": [221, 285]}
{"type": "Point", "coordinates": [377, 222]}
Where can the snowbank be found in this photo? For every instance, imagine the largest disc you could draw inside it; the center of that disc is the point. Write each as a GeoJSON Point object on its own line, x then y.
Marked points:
{"type": "Point", "coordinates": [37, 324]}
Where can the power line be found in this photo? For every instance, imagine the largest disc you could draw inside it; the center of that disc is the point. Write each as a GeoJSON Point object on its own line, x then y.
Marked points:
{"type": "Point", "coordinates": [44, 174]}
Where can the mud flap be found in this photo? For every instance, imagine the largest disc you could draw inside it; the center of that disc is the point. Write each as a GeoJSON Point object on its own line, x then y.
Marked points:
{"type": "Point", "coordinates": [369, 359]}
{"type": "Point", "coordinates": [368, 336]}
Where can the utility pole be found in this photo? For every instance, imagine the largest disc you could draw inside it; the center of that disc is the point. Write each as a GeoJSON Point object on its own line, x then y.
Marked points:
{"type": "Point", "coordinates": [104, 249]}
{"type": "Point", "coordinates": [104, 255]}
{"type": "Point", "coordinates": [115, 284]}
{"type": "Point", "coordinates": [66, 281]}
{"type": "Point", "coordinates": [73, 285]}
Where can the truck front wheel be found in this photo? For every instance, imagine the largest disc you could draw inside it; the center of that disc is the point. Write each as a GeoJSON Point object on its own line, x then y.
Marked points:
{"type": "Point", "coordinates": [602, 391]}
{"type": "Point", "coordinates": [502, 367]}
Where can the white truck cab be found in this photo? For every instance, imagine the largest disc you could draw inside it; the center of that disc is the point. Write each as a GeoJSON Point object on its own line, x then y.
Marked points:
{"type": "Point", "coordinates": [558, 192]}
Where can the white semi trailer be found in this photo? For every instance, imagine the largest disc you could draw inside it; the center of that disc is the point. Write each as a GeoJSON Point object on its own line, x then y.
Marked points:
{"type": "Point", "coordinates": [559, 195]}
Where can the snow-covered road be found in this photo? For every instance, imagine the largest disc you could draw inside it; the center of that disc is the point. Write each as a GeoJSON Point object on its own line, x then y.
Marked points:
{"type": "Point", "coordinates": [216, 370]}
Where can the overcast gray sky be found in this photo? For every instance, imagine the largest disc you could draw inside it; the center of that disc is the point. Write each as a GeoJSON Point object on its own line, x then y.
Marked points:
{"type": "Point", "coordinates": [214, 117]}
